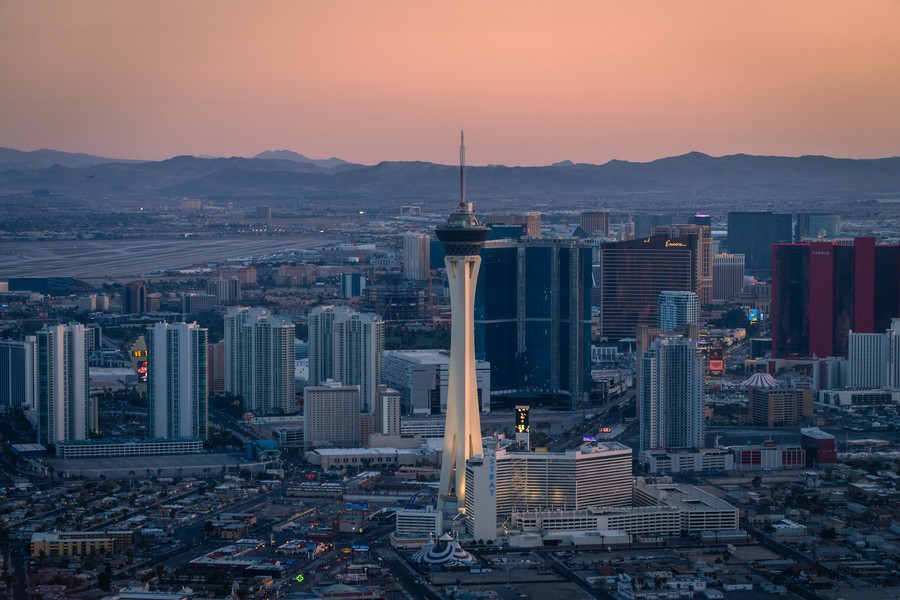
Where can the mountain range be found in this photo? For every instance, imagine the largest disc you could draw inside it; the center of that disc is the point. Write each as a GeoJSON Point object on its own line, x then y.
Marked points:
{"type": "Point", "coordinates": [287, 174]}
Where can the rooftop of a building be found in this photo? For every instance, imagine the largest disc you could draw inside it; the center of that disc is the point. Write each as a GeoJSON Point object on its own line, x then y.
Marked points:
{"type": "Point", "coordinates": [586, 449]}
{"type": "Point", "coordinates": [815, 432]}
{"type": "Point", "coordinates": [681, 496]}
{"type": "Point", "coordinates": [125, 440]}
{"type": "Point", "coordinates": [424, 357]}
{"type": "Point", "coordinates": [162, 461]}
{"type": "Point", "coordinates": [683, 451]}
{"type": "Point", "coordinates": [74, 536]}
{"type": "Point", "coordinates": [434, 356]}
{"type": "Point", "coordinates": [21, 448]}
{"type": "Point", "coordinates": [330, 384]}
{"type": "Point", "coordinates": [366, 451]}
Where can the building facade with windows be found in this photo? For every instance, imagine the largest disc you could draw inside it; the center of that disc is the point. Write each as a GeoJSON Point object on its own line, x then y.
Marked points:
{"type": "Point", "coordinates": [533, 318]}
{"type": "Point", "coordinates": [632, 275]}
{"type": "Point", "coordinates": [421, 377]}
{"type": "Point", "coordinates": [671, 399]}
{"type": "Point", "coordinates": [500, 482]}
{"type": "Point", "coordinates": [66, 411]}
{"type": "Point", "coordinates": [18, 381]}
{"type": "Point", "coordinates": [753, 234]}
{"type": "Point", "coordinates": [821, 291]}
{"type": "Point", "coordinates": [177, 385]}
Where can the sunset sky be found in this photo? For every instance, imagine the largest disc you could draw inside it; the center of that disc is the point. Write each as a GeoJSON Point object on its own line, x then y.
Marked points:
{"type": "Point", "coordinates": [531, 82]}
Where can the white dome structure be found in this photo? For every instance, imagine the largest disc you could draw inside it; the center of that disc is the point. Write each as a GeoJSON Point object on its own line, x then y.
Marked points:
{"type": "Point", "coordinates": [760, 380]}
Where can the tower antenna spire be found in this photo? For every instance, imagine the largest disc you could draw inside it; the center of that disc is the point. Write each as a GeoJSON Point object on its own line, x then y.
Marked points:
{"type": "Point", "coordinates": [462, 170]}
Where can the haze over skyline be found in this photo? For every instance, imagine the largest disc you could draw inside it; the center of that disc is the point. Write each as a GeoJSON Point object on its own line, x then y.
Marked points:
{"type": "Point", "coordinates": [531, 83]}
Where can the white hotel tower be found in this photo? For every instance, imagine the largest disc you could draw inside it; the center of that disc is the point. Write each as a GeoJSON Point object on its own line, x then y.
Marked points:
{"type": "Point", "coordinates": [462, 238]}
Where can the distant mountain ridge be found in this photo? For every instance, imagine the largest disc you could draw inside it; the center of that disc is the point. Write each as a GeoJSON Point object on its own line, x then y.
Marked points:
{"type": "Point", "coordinates": [11, 158]}
{"type": "Point", "coordinates": [282, 173]}
{"type": "Point", "coordinates": [325, 163]}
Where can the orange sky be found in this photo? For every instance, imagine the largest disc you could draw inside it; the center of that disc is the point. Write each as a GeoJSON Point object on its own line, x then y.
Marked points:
{"type": "Point", "coordinates": [531, 82]}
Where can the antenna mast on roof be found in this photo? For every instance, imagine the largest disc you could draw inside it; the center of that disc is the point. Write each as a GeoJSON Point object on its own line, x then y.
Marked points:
{"type": "Point", "coordinates": [462, 170]}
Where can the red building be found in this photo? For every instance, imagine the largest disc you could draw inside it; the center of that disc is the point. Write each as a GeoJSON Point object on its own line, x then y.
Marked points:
{"type": "Point", "coordinates": [819, 446]}
{"type": "Point", "coordinates": [823, 290]}
{"type": "Point", "coordinates": [768, 457]}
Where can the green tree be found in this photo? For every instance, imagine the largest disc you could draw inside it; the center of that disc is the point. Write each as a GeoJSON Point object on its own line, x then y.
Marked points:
{"type": "Point", "coordinates": [733, 318]}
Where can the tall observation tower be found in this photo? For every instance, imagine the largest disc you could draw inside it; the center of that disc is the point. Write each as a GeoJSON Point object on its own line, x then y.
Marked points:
{"type": "Point", "coordinates": [462, 238]}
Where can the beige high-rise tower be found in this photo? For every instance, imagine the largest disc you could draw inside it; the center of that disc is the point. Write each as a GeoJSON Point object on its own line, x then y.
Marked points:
{"type": "Point", "coordinates": [462, 237]}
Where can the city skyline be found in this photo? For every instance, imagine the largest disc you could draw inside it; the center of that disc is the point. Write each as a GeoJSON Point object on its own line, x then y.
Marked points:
{"type": "Point", "coordinates": [387, 82]}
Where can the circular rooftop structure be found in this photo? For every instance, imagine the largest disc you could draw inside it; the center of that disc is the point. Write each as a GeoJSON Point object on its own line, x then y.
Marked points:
{"type": "Point", "coordinates": [760, 380]}
{"type": "Point", "coordinates": [462, 235]}
{"type": "Point", "coordinates": [445, 552]}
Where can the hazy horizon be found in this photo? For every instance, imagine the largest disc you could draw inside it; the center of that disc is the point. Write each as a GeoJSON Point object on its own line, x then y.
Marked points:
{"type": "Point", "coordinates": [468, 162]}
{"type": "Point", "coordinates": [531, 83]}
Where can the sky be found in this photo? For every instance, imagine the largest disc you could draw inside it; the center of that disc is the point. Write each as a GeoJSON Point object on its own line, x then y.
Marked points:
{"type": "Point", "coordinates": [531, 82]}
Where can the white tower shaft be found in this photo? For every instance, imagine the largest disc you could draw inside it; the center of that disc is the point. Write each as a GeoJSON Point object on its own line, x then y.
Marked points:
{"type": "Point", "coordinates": [462, 433]}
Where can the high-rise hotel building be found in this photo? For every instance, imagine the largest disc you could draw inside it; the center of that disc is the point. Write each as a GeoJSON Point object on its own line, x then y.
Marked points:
{"type": "Point", "coordinates": [823, 290]}
{"type": "Point", "coordinates": [18, 381]}
{"type": "Point", "coordinates": [671, 398]}
{"type": "Point", "coordinates": [177, 393]}
{"type": "Point", "coordinates": [753, 234]}
{"type": "Point", "coordinates": [65, 409]}
{"type": "Point", "coordinates": [595, 223]}
{"type": "Point", "coordinates": [235, 319]}
{"type": "Point", "coordinates": [677, 309]}
{"type": "Point", "coordinates": [703, 276]}
{"type": "Point", "coordinates": [728, 276]}
{"type": "Point", "coordinates": [533, 317]}
{"type": "Point", "coordinates": [331, 415]}
{"type": "Point", "coordinates": [416, 256]}
{"type": "Point", "coordinates": [259, 360]}
{"type": "Point", "coordinates": [347, 346]}
{"type": "Point", "coordinates": [632, 275]}
{"type": "Point", "coordinates": [500, 482]}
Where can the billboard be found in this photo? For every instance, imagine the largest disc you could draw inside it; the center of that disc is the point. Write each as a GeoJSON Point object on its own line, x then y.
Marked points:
{"type": "Point", "coordinates": [716, 362]}
{"type": "Point", "coordinates": [522, 419]}
{"type": "Point", "coordinates": [142, 371]}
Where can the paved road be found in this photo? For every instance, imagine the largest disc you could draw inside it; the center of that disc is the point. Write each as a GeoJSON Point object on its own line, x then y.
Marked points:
{"type": "Point", "coordinates": [598, 420]}
{"type": "Point", "coordinates": [561, 568]}
{"type": "Point", "coordinates": [20, 586]}
{"type": "Point", "coordinates": [408, 578]}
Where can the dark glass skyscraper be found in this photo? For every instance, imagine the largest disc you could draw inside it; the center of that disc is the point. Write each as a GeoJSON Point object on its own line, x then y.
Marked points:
{"type": "Point", "coordinates": [703, 256]}
{"type": "Point", "coordinates": [633, 273]}
{"type": "Point", "coordinates": [822, 290]}
{"type": "Point", "coordinates": [134, 299]}
{"type": "Point", "coordinates": [753, 233]}
{"type": "Point", "coordinates": [810, 225]}
{"type": "Point", "coordinates": [533, 317]}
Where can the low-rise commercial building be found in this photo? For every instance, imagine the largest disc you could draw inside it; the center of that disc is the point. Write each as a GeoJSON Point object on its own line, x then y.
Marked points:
{"type": "Point", "coordinates": [769, 456]}
{"type": "Point", "coordinates": [107, 448]}
{"type": "Point", "coordinates": [421, 377]}
{"type": "Point", "coordinates": [687, 461]}
{"type": "Point", "coordinates": [79, 543]}
{"type": "Point", "coordinates": [416, 527]}
{"type": "Point", "coordinates": [376, 458]}
{"type": "Point", "coordinates": [662, 510]}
